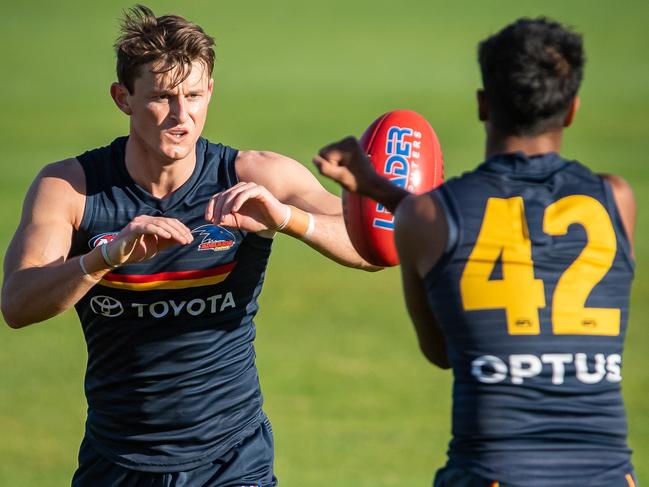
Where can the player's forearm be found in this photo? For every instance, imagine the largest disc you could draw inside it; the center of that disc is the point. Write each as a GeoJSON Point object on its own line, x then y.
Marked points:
{"type": "Point", "coordinates": [431, 343]}
{"type": "Point", "coordinates": [386, 193]}
{"type": "Point", "coordinates": [34, 294]}
{"type": "Point", "coordinates": [429, 334]}
{"type": "Point", "coordinates": [431, 340]}
{"type": "Point", "coordinates": [329, 237]}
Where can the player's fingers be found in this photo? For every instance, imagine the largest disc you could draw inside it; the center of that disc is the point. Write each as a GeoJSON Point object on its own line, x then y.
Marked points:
{"type": "Point", "coordinates": [168, 228]}
{"type": "Point", "coordinates": [180, 228]}
{"type": "Point", "coordinates": [222, 198]}
{"type": "Point", "coordinates": [338, 150]}
{"type": "Point", "coordinates": [145, 225]}
{"type": "Point", "coordinates": [340, 174]}
{"type": "Point", "coordinates": [330, 154]}
{"type": "Point", "coordinates": [218, 205]}
{"type": "Point", "coordinates": [229, 220]}
{"type": "Point", "coordinates": [209, 209]}
{"type": "Point", "coordinates": [214, 204]}
{"type": "Point", "coordinates": [233, 195]}
{"type": "Point", "coordinates": [329, 169]}
{"type": "Point", "coordinates": [323, 164]}
{"type": "Point", "coordinates": [162, 227]}
{"type": "Point", "coordinates": [219, 201]}
{"type": "Point", "coordinates": [256, 192]}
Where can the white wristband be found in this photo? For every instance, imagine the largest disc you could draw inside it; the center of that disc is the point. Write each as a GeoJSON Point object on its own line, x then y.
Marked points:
{"type": "Point", "coordinates": [310, 228]}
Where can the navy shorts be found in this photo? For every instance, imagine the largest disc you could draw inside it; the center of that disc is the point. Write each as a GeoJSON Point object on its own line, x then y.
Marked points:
{"type": "Point", "coordinates": [248, 464]}
{"type": "Point", "coordinates": [457, 477]}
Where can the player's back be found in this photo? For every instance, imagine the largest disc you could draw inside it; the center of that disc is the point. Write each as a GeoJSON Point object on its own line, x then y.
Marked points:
{"type": "Point", "coordinates": [532, 295]}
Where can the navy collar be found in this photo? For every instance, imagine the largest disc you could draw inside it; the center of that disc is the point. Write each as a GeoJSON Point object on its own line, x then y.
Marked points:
{"type": "Point", "coordinates": [518, 163]}
{"type": "Point", "coordinates": [160, 204]}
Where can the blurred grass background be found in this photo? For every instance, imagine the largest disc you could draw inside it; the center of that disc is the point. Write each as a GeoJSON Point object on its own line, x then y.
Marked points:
{"type": "Point", "coordinates": [352, 401]}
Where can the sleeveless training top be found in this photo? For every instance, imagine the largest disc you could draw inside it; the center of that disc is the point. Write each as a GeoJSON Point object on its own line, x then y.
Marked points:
{"type": "Point", "coordinates": [532, 295]}
{"type": "Point", "coordinates": [171, 380]}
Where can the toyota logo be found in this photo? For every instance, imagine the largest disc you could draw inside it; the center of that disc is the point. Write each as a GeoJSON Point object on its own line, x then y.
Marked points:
{"type": "Point", "coordinates": [106, 306]}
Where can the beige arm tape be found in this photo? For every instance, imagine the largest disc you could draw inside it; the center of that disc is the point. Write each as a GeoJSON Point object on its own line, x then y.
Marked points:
{"type": "Point", "coordinates": [299, 223]}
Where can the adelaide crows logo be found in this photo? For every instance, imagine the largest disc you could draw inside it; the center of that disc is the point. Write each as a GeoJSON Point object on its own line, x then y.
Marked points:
{"type": "Point", "coordinates": [101, 239]}
{"type": "Point", "coordinates": [215, 238]}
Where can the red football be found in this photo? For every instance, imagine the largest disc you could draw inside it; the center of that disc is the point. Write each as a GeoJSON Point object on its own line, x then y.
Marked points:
{"type": "Point", "coordinates": [403, 148]}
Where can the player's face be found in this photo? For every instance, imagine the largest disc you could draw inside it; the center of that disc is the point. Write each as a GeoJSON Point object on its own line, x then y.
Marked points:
{"type": "Point", "coordinates": [167, 120]}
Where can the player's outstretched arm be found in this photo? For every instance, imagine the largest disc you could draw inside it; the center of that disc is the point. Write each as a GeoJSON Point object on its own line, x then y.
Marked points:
{"type": "Point", "coordinates": [346, 163]}
{"type": "Point", "coordinates": [270, 183]}
{"type": "Point", "coordinates": [40, 281]}
{"type": "Point", "coordinates": [420, 236]}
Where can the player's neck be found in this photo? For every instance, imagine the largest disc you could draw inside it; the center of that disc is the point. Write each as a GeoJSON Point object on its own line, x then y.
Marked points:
{"type": "Point", "coordinates": [499, 143]}
{"type": "Point", "coordinates": [158, 175]}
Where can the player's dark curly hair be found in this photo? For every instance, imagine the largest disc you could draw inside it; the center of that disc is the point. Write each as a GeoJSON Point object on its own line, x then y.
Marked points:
{"type": "Point", "coordinates": [531, 71]}
{"type": "Point", "coordinates": [168, 41]}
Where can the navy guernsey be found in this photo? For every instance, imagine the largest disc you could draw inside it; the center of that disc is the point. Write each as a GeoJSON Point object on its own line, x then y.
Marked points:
{"type": "Point", "coordinates": [171, 381]}
{"type": "Point", "coordinates": [532, 295]}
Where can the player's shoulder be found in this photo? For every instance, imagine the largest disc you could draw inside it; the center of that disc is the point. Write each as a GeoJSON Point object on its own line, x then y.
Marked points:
{"type": "Point", "coordinates": [268, 168]}
{"type": "Point", "coordinates": [624, 202]}
{"type": "Point", "coordinates": [622, 193]}
{"type": "Point", "coordinates": [252, 161]}
{"type": "Point", "coordinates": [418, 208]}
{"type": "Point", "coordinates": [419, 216]}
{"type": "Point", "coordinates": [58, 191]}
{"type": "Point", "coordinates": [619, 185]}
{"type": "Point", "coordinates": [65, 174]}
{"type": "Point", "coordinates": [421, 230]}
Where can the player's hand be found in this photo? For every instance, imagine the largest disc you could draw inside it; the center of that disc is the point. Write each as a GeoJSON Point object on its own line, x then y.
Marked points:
{"type": "Point", "coordinates": [246, 206]}
{"type": "Point", "coordinates": [145, 236]}
{"type": "Point", "coordinates": [346, 163]}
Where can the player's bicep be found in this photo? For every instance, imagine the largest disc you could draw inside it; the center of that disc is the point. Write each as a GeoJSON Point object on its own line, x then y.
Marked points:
{"type": "Point", "coordinates": [44, 234]}
{"type": "Point", "coordinates": [289, 181]}
{"type": "Point", "coordinates": [407, 236]}
{"type": "Point", "coordinates": [38, 244]}
{"type": "Point", "coordinates": [431, 340]}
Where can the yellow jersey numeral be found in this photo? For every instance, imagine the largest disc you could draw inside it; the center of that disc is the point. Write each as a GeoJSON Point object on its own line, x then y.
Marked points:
{"type": "Point", "coordinates": [504, 235]}
{"type": "Point", "coordinates": [569, 314]}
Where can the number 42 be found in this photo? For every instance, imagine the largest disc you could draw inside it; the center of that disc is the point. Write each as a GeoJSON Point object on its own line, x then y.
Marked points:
{"type": "Point", "coordinates": [504, 233]}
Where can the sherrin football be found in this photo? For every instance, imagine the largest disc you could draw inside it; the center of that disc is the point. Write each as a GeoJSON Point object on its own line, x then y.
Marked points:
{"type": "Point", "coordinates": [403, 148]}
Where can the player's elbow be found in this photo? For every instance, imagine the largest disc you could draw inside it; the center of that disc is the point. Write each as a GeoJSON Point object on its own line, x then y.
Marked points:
{"type": "Point", "coordinates": [444, 365]}
{"type": "Point", "coordinates": [11, 312]}
{"type": "Point", "coordinates": [437, 357]}
{"type": "Point", "coordinates": [12, 318]}
{"type": "Point", "coordinates": [371, 268]}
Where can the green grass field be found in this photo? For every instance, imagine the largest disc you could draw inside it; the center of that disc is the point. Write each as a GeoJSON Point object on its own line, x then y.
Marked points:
{"type": "Point", "coordinates": [352, 401]}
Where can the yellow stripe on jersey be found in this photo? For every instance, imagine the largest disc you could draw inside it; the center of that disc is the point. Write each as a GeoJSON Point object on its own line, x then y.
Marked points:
{"type": "Point", "coordinates": [180, 284]}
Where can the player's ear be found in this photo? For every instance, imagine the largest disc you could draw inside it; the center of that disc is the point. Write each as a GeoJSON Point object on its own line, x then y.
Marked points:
{"type": "Point", "coordinates": [483, 106]}
{"type": "Point", "coordinates": [570, 116]}
{"type": "Point", "coordinates": [210, 88]}
{"type": "Point", "coordinates": [120, 93]}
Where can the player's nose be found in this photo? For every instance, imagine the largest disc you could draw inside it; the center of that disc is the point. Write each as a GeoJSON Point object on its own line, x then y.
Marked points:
{"type": "Point", "coordinates": [179, 109]}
